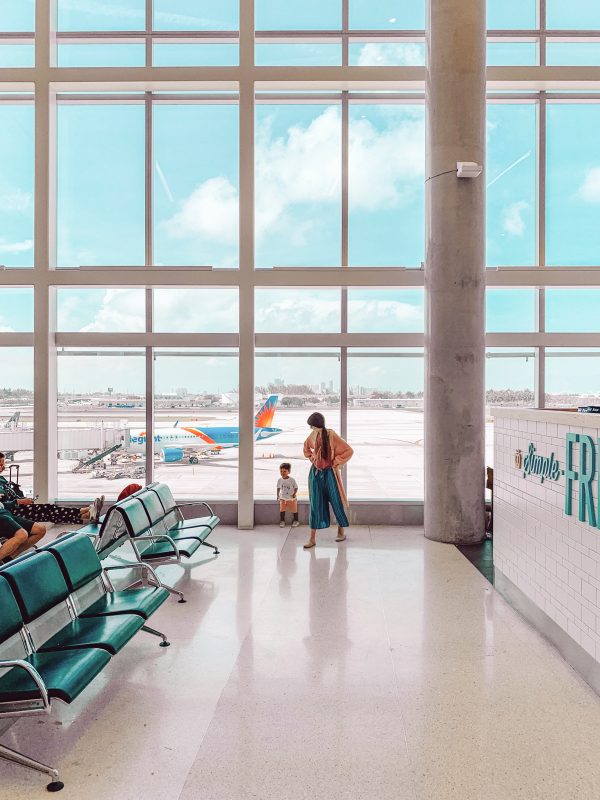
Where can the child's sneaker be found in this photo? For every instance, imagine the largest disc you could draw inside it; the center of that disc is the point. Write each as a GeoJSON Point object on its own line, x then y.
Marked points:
{"type": "Point", "coordinates": [295, 523]}
{"type": "Point", "coordinates": [282, 524]}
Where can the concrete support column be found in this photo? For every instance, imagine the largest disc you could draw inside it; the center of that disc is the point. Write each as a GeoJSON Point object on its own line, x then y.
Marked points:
{"type": "Point", "coordinates": [454, 274]}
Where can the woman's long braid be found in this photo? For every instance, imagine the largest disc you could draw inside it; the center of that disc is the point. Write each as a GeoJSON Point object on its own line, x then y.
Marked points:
{"type": "Point", "coordinates": [325, 442]}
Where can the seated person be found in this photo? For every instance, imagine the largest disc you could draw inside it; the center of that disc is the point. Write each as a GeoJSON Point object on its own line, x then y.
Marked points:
{"type": "Point", "coordinates": [17, 534]}
{"type": "Point", "coordinates": [27, 509]}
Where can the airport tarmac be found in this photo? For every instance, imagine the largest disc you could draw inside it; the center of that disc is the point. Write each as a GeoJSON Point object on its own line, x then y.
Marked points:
{"type": "Point", "coordinates": [387, 462]}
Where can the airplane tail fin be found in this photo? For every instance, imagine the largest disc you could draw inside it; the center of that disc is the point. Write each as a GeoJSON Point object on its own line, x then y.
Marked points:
{"type": "Point", "coordinates": [264, 416]}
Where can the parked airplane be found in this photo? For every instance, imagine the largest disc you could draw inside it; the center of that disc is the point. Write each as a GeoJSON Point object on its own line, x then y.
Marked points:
{"type": "Point", "coordinates": [183, 441]}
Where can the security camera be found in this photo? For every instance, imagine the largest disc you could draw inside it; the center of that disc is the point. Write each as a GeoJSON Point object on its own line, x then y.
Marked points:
{"type": "Point", "coordinates": [468, 169]}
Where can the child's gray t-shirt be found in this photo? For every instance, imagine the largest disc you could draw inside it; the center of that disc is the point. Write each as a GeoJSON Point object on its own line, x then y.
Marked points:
{"type": "Point", "coordinates": [287, 487]}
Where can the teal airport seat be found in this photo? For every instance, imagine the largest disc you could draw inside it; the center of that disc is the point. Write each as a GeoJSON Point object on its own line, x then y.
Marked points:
{"type": "Point", "coordinates": [29, 681]}
{"type": "Point", "coordinates": [41, 593]}
{"type": "Point", "coordinates": [87, 581]}
{"type": "Point", "coordinates": [174, 514]}
{"type": "Point", "coordinates": [159, 521]}
{"type": "Point", "coordinates": [60, 622]}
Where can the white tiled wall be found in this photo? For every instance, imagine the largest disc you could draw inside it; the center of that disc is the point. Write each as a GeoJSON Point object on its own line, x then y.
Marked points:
{"type": "Point", "coordinates": [553, 558]}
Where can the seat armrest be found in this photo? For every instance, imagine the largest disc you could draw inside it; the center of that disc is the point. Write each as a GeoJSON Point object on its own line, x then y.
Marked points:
{"type": "Point", "coordinates": [37, 679]}
{"type": "Point", "coordinates": [157, 537]}
{"type": "Point", "coordinates": [196, 503]}
{"type": "Point", "coordinates": [137, 565]}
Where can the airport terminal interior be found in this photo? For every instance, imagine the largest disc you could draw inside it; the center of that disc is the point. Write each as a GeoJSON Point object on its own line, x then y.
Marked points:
{"type": "Point", "coordinates": [218, 218]}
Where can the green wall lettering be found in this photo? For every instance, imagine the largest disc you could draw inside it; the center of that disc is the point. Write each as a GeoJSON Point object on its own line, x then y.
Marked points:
{"type": "Point", "coordinates": [570, 474]}
{"type": "Point", "coordinates": [587, 473]}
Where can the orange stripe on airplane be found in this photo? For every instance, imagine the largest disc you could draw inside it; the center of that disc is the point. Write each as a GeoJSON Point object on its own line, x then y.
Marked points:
{"type": "Point", "coordinates": [202, 436]}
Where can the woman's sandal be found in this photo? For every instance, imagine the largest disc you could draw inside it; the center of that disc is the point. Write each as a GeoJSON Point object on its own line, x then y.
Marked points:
{"type": "Point", "coordinates": [341, 538]}
{"type": "Point", "coordinates": [308, 545]}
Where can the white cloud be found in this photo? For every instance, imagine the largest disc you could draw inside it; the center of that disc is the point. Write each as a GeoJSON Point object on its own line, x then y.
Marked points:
{"type": "Point", "coordinates": [175, 310]}
{"type": "Point", "coordinates": [15, 247]}
{"type": "Point", "coordinates": [386, 315]}
{"type": "Point", "coordinates": [300, 312]}
{"type": "Point", "coordinates": [390, 55]}
{"type": "Point", "coordinates": [211, 211]}
{"type": "Point", "coordinates": [198, 310]}
{"type": "Point", "coordinates": [384, 165]}
{"type": "Point", "coordinates": [121, 310]}
{"type": "Point", "coordinates": [512, 218]}
{"type": "Point", "coordinates": [589, 191]}
{"type": "Point", "coordinates": [6, 329]}
{"type": "Point", "coordinates": [304, 166]}
{"type": "Point", "coordinates": [15, 200]}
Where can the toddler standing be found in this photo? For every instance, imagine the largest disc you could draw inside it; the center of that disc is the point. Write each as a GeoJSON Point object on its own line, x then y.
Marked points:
{"type": "Point", "coordinates": [287, 489]}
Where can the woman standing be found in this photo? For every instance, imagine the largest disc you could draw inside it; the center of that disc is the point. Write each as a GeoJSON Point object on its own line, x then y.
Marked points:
{"type": "Point", "coordinates": [327, 453]}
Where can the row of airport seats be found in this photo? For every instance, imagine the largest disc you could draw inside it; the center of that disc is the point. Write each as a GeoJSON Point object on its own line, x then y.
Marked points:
{"type": "Point", "coordinates": [61, 618]}
{"type": "Point", "coordinates": [153, 523]}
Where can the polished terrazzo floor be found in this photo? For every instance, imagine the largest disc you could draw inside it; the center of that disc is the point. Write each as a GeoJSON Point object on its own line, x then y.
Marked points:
{"type": "Point", "coordinates": [385, 667]}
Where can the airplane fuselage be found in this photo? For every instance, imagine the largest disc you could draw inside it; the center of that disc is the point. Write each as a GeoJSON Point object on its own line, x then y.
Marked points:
{"type": "Point", "coordinates": [198, 438]}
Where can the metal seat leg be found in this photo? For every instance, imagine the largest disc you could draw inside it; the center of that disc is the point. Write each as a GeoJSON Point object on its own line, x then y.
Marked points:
{"type": "Point", "coordinates": [24, 761]}
{"type": "Point", "coordinates": [154, 632]}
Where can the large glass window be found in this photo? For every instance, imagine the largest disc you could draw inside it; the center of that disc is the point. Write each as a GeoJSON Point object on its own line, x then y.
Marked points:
{"type": "Point", "coordinates": [16, 310]}
{"type": "Point", "coordinates": [509, 310]}
{"type": "Point", "coordinates": [196, 424]}
{"type": "Point", "coordinates": [509, 381]}
{"type": "Point", "coordinates": [298, 311]}
{"type": "Point", "coordinates": [110, 15]}
{"type": "Point", "coordinates": [196, 15]}
{"type": "Point", "coordinates": [511, 14]}
{"type": "Point", "coordinates": [511, 184]}
{"type": "Point", "coordinates": [573, 185]}
{"type": "Point", "coordinates": [303, 381]}
{"type": "Point", "coordinates": [576, 14]}
{"type": "Point", "coordinates": [387, 15]}
{"type": "Point", "coordinates": [385, 424]}
{"type": "Point", "coordinates": [100, 217]}
{"type": "Point", "coordinates": [386, 310]}
{"type": "Point", "coordinates": [386, 169]}
{"type": "Point", "coordinates": [16, 183]}
{"type": "Point", "coordinates": [16, 412]}
{"type": "Point", "coordinates": [298, 185]}
{"type": "Point", "coordinates": [196, 203]}
{"type": "Point", "coordinates": [308, 15]}
{"type": "Point", "coordinates": [101, 421]}
{"type": "Point", "coordinates": [196, 310]}
{"type": "Point", "coordinates": [102, 310]}
{"type": "Point", "coordinates": [572, 377]}
{"type": "Point", "coordinates": [17, 15]}
{"type": "Point", "coordinates": [572, 310]}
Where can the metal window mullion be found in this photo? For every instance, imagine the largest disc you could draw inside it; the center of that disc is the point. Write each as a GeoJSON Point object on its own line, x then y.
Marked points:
{"type": "Point", "coordinates": [246, 271]}
{"type": "Point", "coordinates": [345, 32]}
{"type": "Point", "coordinates": [148, 188]}
{"type": "Point", "coordinates": [541, 180]}
{"type": "Point", "coordinates": [148, 37]}
{"type": "Point", "coordinates": [543, 32]}
{"type": "Point", "coordinates": [149, 259]}
{"type": "Point", "coordinates": [149, 358]}
{"type": "Point", "coordinates": [540, 378]}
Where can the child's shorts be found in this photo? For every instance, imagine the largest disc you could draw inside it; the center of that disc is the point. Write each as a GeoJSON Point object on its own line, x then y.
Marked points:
{"type": "Point", "coordinates": [288, 505]}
